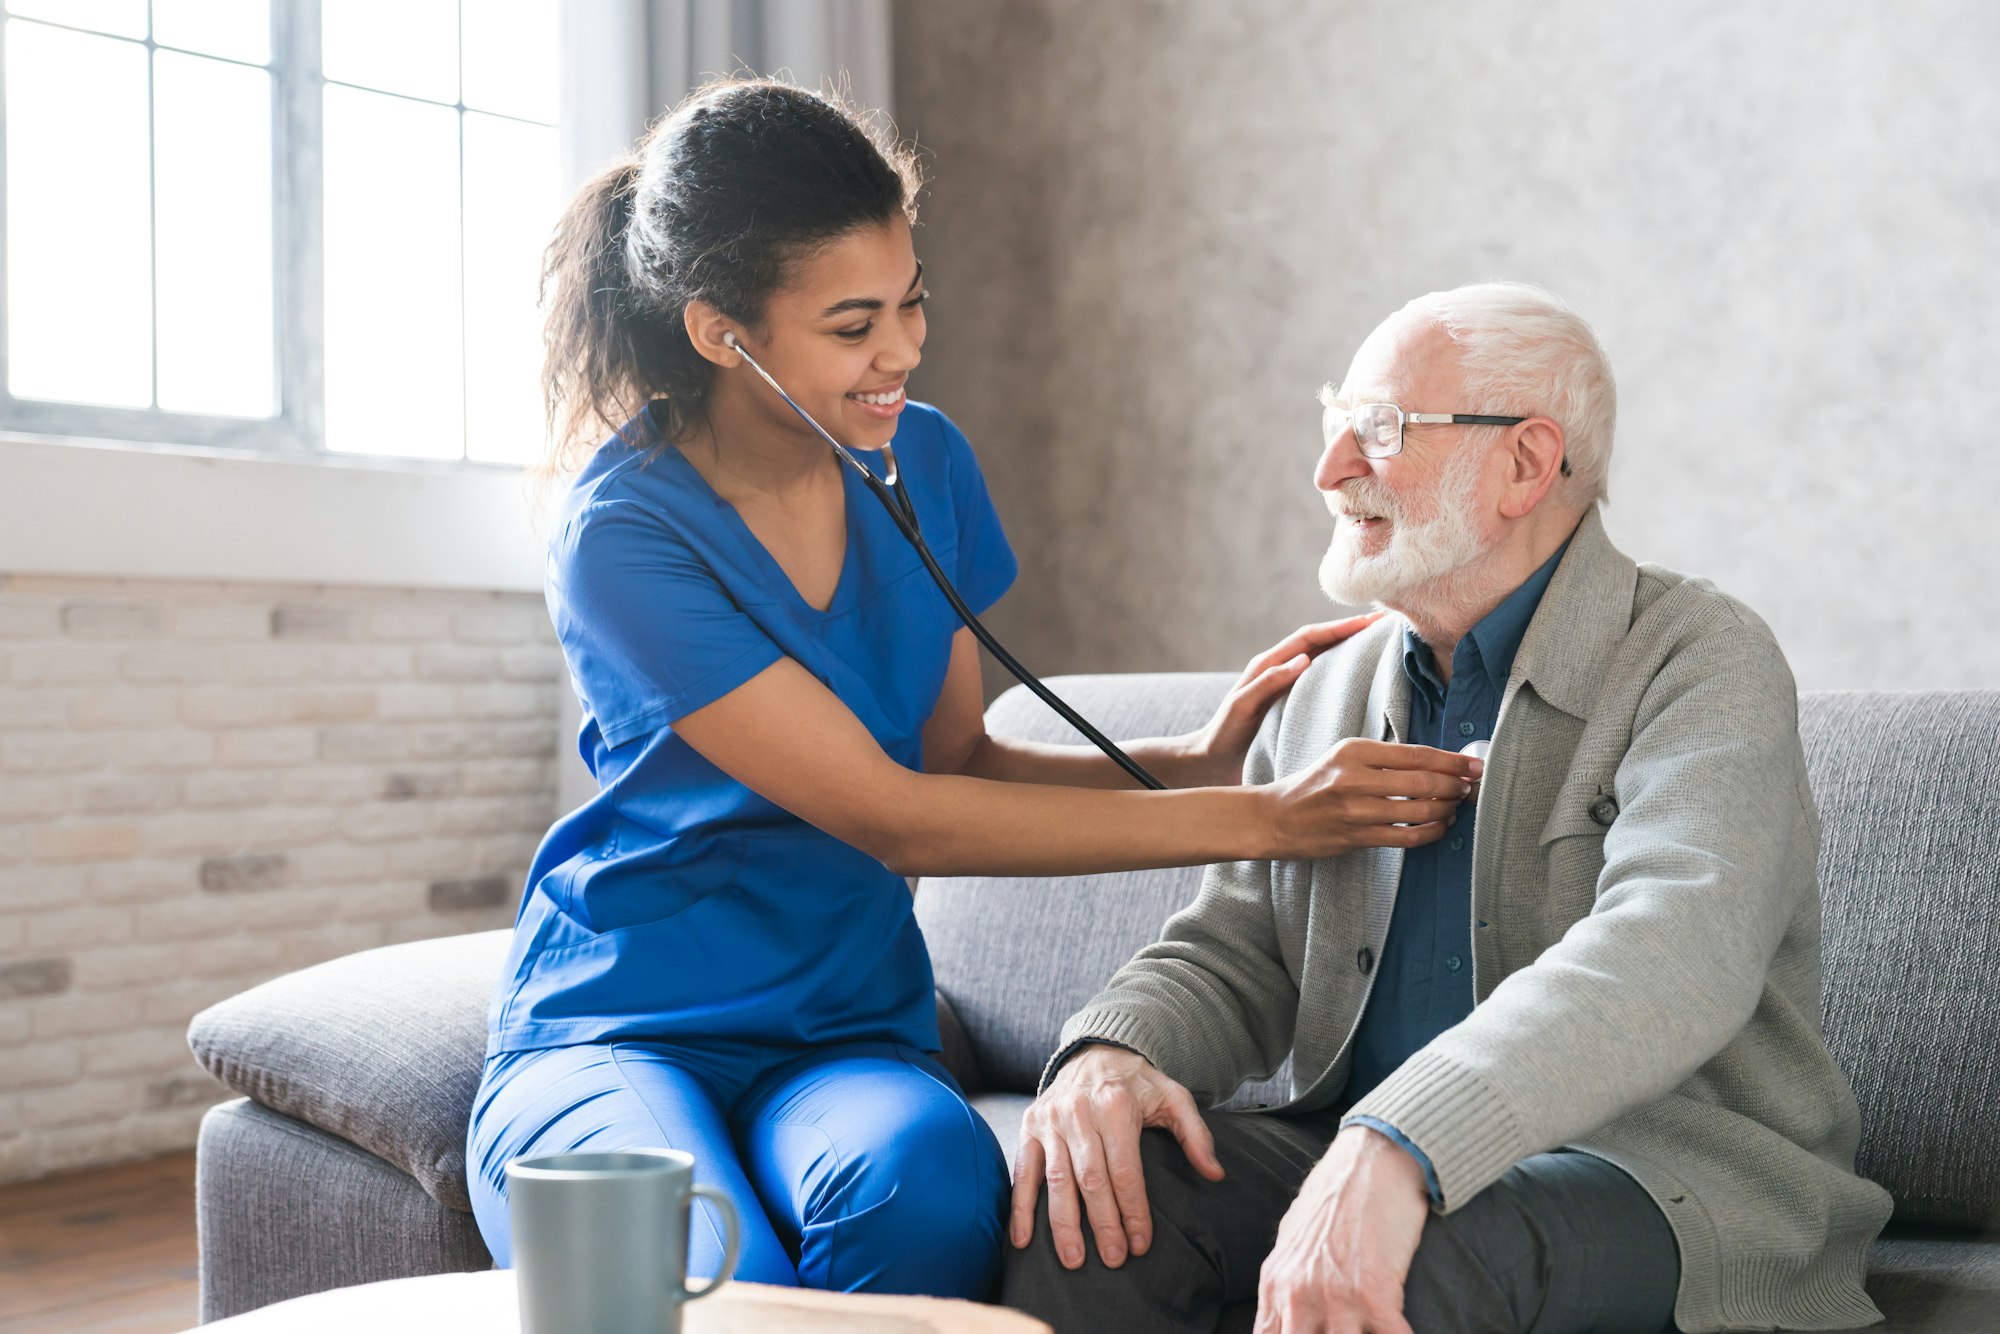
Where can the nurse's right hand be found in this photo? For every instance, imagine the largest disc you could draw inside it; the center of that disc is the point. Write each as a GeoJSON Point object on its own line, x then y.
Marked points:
{"type": "Point", "coordinates": [1369, 794]}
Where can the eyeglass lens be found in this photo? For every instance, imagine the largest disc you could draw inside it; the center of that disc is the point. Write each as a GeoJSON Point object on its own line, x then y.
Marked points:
{"type": "Point", "coordinates": [1378, 429]}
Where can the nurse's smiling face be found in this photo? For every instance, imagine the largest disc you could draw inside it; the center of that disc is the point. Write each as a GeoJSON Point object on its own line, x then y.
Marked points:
{"type": "Point", "coordinates": [841, 336]}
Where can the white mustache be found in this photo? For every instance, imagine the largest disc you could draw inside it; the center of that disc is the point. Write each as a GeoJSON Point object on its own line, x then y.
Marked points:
{"type": "Point", "coordinates": [1364, 498]}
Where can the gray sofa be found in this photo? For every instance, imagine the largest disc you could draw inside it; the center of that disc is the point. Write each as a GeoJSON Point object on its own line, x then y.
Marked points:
{"type": "Point", "coordinates": [343, 1162]}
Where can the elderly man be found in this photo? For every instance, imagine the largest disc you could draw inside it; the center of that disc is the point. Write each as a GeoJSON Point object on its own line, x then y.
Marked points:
{"type": "Point", "coordinates": [1559, 1066]}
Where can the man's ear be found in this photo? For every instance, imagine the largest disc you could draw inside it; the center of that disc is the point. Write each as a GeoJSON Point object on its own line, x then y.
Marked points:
{"type": "Point", "coordinates": [705, 329]}
{"type": "Point", "coordinates": [1535, 453]}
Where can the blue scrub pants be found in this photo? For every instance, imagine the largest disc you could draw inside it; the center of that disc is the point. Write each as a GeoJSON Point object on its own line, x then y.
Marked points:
{"type": "Point", "coordinates": [857, 1167]}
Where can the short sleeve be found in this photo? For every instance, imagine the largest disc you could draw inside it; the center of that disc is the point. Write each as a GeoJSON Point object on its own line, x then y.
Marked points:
{"type": "Point", "coordinates": [986, 563]}
{"type": "Point", "coordinates": [650, 633]}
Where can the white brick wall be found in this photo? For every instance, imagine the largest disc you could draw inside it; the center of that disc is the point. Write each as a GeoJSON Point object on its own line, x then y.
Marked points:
{"type": "Point", "coordinates": [205, 785]}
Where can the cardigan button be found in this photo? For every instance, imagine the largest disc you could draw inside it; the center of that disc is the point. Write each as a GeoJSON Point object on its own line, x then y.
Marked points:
{"type": "Point", "coordinates": [1604, 810]}
{"type": "Point", "coordinates": [1365, 960]}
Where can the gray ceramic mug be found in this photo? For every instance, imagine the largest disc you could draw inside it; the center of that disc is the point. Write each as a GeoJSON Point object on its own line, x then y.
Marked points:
{"type": "Point", "coordinates": [601, 1240]}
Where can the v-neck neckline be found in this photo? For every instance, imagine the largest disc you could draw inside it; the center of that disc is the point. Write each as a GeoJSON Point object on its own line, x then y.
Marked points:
{"type": "Point", "coordinates": [755, 544]}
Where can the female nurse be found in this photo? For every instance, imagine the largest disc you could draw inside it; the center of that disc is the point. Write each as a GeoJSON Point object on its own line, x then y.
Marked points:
{"type": "Point", "coordinates": [717, 953]}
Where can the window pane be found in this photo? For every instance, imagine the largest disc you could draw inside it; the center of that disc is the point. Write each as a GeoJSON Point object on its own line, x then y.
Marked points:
{"type": "Point", "coordinates": [126, 18]}
{"type": "Point", "coordinates": [511, 199]}
{"type": "Point", "coordinates": [212, 135]}
{"type": "Point", "coordinates": [236, 29]}
{"type": "Point", "coordinates": [394, 368]}
{"type": "Point", "coordinates": [398, 46]}
{"type": "Point", "coordinates": [79, 253]}
{"type": "Point", "coordinates": [510, 58]}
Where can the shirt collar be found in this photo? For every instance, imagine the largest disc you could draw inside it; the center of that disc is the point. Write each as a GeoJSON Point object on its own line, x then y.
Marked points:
{"type": "Point", "coordinates": [1490, 646]}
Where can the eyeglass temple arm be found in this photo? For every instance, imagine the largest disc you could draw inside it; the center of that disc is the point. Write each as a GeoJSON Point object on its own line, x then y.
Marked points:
{"type": "Point", "coordinates": [1472, 419]}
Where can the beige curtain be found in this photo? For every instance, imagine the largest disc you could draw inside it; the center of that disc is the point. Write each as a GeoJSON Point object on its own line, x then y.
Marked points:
{"type": "Point", "coordinates": [627, 61]}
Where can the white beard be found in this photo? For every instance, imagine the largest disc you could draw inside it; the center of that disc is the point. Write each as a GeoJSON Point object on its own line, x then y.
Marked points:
{"type": "Point", "coordinates": [1421, 557]}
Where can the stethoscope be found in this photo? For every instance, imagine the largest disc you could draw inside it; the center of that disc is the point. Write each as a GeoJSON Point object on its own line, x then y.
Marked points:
{"type": "Point", "coordinates": [896, 499]}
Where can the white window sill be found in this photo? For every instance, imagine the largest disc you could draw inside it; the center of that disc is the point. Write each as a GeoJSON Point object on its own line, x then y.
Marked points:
{"type": "Point", "coordinates": [99, 508]}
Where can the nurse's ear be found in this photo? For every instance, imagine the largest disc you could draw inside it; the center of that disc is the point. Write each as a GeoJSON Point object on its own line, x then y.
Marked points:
{"type": "Point", "coordinates": [707, 329]}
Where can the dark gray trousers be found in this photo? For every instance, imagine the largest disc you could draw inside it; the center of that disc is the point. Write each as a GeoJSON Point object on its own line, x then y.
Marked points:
{"type": "Point", "coordinates": [1562, 1244]}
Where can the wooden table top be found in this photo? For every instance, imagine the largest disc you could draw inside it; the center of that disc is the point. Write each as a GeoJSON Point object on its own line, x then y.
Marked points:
{"type": "Point", "coordinates": [483, 1303]}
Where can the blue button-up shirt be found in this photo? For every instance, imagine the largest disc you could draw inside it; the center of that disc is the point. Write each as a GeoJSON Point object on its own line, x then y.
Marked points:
{"type": "Point", "coordinates": [1423, 983]}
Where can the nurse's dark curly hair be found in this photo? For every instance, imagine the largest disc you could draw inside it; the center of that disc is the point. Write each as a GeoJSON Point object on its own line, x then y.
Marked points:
{"type": "Point", "coordinates": [722, 196]}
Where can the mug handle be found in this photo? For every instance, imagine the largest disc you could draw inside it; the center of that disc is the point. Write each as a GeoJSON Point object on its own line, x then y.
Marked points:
{"type": "Point", "coordinates": [733, 1227]}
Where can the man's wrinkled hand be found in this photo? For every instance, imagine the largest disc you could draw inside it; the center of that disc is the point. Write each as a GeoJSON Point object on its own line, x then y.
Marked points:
{"type": "Point", "coordinates": [1345, 1246]}
{"type": "Point", "coordinates": [1082, 1137]}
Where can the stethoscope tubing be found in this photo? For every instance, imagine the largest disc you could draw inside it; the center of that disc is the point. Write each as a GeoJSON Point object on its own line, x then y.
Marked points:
{"type": "Point", "coordinates": [895, 499]}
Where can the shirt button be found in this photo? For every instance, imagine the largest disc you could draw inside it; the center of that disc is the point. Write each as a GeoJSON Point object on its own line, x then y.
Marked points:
{"type": "Point", "coordinates": [1604, 810]}
{"type": "Point", "coordinates": [1452, 963]}
{"type": "Point", "coordinates": [1458, 845]}
{"type": "Point", "coordinates": [1466, 729]}
{"type": "Point", "coordinates": [1365, 960]}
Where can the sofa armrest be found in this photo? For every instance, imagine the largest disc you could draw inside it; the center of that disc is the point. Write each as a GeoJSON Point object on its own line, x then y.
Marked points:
{"type": "Point", "coordinates": [382, 1049]}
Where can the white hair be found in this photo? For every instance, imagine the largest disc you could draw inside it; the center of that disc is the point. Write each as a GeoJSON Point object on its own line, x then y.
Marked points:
{"type": "Point", "coordinates": [1525, 353]}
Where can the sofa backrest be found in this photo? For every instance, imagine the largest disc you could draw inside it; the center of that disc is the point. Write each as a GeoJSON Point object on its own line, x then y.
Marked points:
{"type": "Point", "coordinates": [1909, 796]}
{"type": "Point", "coordinates": [1908, 790]}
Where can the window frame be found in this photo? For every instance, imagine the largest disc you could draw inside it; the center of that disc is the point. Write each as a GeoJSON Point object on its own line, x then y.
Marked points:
{"type": "Point", "coordinates": [298, 430]}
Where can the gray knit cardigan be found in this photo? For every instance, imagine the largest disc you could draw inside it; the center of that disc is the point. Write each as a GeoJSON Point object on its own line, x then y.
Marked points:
{"type": "Point", "coordinates": [1646, 943]}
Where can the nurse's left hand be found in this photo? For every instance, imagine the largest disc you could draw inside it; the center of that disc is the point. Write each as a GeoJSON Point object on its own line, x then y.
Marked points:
{"type": "Point", "coordinates": [1216, 752]}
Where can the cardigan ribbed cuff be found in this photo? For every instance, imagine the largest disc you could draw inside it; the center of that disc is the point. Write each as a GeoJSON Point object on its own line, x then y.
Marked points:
{"type": "Point", "coordinates": [1464, 1127]}
{"type": "Point", "coordinates": [1063, 1053]}
{"type": "Point", "coordinates": [1118, 1027]}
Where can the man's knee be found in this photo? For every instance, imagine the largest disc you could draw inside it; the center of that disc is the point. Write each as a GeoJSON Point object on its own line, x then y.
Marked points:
{"type": "Point", "coordinates": [1170, 1191]}
{"type": "Point", "coordinates": [1456, 1283]}
{"type": "Point", "coordinates": [1093, 1296]}
{"type": "Point", "coordinates": [1173, 1187]}
{"type": "Point", "coordinates": [1035, 1265]}
{"type": "Point", "coordinates": [1161, 1163]}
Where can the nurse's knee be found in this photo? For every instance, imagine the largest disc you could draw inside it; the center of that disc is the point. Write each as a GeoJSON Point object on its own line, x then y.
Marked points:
{"type": "Point", "coordinates": [929, 1190]}
{"type": "Point", "coordinates": [943, 1163]}
{"type": "Point", "coordinates": [486, 1186]}
{"type": "Point", "coordinates": [489, 1213]}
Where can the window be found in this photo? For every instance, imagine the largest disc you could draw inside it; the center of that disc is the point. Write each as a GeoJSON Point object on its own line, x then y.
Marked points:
{"type": "Point", "coordinates": [283, 225]}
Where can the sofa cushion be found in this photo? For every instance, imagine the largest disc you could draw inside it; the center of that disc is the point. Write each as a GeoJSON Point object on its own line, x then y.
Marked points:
{"type": "Point", "coordinates": [1909, 798]}
{"type": "Point", "coordinates": [1935, 1280]}
{"type": "Point", "coordinates": [382, 1048]}
{"type": "Point", "coordinates": [1003, 1112]}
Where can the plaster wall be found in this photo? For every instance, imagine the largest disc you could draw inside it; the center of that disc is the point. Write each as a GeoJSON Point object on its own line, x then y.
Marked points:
{"type": "Point", "coordinates": [1156, 228]}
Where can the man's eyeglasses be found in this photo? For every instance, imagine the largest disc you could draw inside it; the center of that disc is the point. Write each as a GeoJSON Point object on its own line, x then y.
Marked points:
{"type": "Point", "coordinates": [1378, 427]}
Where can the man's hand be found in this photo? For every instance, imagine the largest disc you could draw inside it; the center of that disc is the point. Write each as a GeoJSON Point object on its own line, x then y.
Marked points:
{"type": "Point", "coordinates": [1084, 1134]}
{"type": "Point", "coordinates": [1345, 1246]}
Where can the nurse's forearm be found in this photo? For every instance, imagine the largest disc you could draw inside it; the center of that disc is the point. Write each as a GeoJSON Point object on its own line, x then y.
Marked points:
{"type": "Point", "coordinates": [1170, 759]}
{"type": "Point", "coordinates": [955, 825]}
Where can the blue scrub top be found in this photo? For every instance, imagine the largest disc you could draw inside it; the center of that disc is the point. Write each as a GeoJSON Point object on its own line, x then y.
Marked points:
{"type": "Point", "coordinates": [677, 903]}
